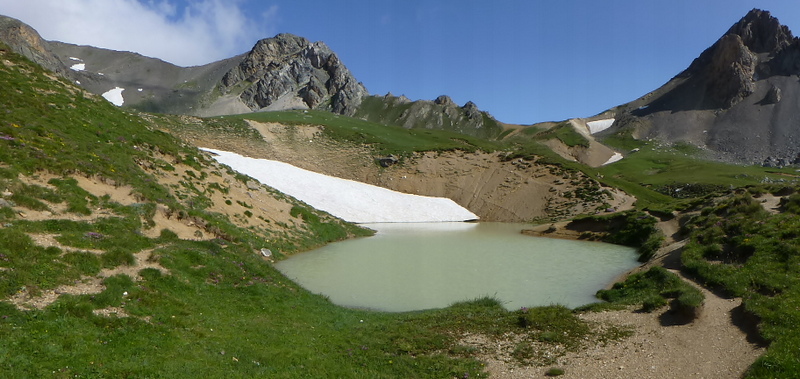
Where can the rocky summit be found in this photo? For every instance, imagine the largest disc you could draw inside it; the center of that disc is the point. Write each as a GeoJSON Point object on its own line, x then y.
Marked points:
{"type": "Point", "coordinates": [283, 72]}
{"type": "Point", "coordinates": [738, 100]}
{"type": "Point", "coordinates": [289, 71]}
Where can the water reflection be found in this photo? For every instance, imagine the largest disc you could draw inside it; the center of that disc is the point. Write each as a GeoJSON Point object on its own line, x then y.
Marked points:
{"type": "Point", "coordinates": [432, 265]}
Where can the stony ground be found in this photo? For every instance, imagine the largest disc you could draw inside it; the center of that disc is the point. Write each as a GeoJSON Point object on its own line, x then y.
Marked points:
{"type": "Point", "coordinates": [713, 346]}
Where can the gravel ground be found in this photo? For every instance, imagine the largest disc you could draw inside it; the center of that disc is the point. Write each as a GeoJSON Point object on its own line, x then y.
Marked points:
{"type": "Point", "coordinates": [712, 346]}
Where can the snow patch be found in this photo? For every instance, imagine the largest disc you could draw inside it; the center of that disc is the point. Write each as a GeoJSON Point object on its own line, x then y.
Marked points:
{"type": "Point", "coordinates": [347, 199]}
{"type": "Point", "coordinates": [598, 126]}
{"type": "Point", "coordinates": [78, 66]}
{"type": "Point", "coordinates": [76, 59]}
{"type": "Point", "coordinates": [115, 96]}
{"type": "Point", "coordinates": [614, 158]}
{"type": "Point", "coordinates": [140, 89]}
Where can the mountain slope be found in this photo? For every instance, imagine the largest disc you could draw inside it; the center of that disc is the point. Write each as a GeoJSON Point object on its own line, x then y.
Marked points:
{"type": "Point", "coordinates": [441, 114]}
{"type": "Point", "coordinates": [283, 72]}
{"type": "Point", "coordinates": [148, 84]}
{"type": "Point", "coordinates": [739, 100]}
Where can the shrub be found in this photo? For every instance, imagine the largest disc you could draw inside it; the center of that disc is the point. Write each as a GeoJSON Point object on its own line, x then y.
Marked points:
{"type": "Point", "coordinates": [651, 289]}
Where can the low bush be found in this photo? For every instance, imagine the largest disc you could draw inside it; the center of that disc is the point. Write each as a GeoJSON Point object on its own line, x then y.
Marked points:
{"type": "Point", "coordinates": [652, 289]}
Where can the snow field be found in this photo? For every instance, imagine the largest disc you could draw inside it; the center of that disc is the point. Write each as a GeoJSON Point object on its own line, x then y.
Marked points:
{"type": "Point", "coordinates": [115, 96]}
{"type": "Point", "coordinates": [598, 126]}
{"type": "Point", "coordinates": [347, 199]}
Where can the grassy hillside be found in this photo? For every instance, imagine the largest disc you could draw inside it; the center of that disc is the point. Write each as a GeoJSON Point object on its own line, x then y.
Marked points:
{"type": "Point", "coordinates": [388, 110]}
{"type": "Point", "coordinates": [104, 284]}
{"type": "Point", "coordinates": [109, 283]}
{"type": "Point", "coordinates": [385, 139]}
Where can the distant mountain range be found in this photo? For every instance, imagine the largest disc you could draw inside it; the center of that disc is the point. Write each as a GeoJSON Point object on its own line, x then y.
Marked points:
{"type": "Point", "coordinates": [279, 73]}
{"type": "Point", "coordinates": [739, 101]}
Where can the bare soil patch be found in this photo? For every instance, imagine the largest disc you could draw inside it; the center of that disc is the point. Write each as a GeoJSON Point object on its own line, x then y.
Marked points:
{"type": "Point", "coordinates": [494, 188]}
{"type": "Point", "coordinates": [712, 346]}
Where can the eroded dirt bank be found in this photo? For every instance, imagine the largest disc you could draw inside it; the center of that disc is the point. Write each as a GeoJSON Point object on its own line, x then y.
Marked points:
{"type": "Point", "coordinates": [488, 185]}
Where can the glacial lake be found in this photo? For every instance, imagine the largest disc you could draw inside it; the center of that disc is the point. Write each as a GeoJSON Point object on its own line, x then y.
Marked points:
{"type": "Point", "coordinates": [415, 266]}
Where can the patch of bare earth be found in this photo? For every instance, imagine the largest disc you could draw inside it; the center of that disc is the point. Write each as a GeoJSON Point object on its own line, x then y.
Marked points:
{"type": "Point", "coordinates": [248, 205]}
{"type": "Point", "coordinates": [494, 188]}
{"type": "Point", "coordinates": [26, 299]}
{"type": "Point", "coordinates": [715, 345]}
{"type": "Point", "coordinates": [770, 202]}
{"type": "Point", "coordinates": [712, 346]}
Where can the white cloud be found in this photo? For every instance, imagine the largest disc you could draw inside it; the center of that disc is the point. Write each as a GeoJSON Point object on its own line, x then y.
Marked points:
{"type": "Point", "coordinates": [199, 32]}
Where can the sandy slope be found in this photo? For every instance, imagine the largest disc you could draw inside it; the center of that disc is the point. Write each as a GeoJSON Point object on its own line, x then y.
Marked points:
{"type": "Point", "coordinates": [493, 188]}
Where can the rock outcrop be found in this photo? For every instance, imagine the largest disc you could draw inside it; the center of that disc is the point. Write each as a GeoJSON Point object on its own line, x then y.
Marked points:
{"type": "Point", "coordinates": [26, 41]}
{"type": "Point", "coordinates": [289, 66]}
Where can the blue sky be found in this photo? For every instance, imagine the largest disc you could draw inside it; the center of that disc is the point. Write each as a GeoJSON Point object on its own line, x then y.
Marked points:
{"type": "Point", "coordinates": [522, 61]}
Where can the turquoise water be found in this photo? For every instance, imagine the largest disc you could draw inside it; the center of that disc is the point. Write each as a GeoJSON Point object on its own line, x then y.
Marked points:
{"type": "Point", "coordinates": [418, 266]}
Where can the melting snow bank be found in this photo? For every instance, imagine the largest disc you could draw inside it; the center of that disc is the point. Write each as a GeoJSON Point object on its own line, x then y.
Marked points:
{"type": "Point", "coordinates": [599, 125]}
{"type": "Point", "coordinates": [115, 96]}
{"type": "Point", "coordinates": [350, 200]}
{"type": "Point", "coordinates": [614, 158]}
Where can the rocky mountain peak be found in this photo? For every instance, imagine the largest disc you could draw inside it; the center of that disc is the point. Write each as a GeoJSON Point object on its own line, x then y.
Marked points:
{"type": "Point", "coordinates": [757, 46]}
{"type": "Point", "coordinates": [761, 32]}
{"type": "Point", "coordinates": [737, 100]}
{"type": "Point", "coordinates": [444, 100]}
{"type": "Point", "coordinates": [730, 73]}
{"type": "Point", "coordinates": [288, 71]}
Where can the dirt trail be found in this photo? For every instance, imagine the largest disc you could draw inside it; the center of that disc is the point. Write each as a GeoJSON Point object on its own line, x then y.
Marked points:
{"type": "Point", "coordinates": [770, 202]}
{"type": "Point", "coordinates": [713, 346]}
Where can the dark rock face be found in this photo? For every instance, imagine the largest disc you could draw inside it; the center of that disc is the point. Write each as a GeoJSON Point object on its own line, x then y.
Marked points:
{"type": "Point", "coordinates": [730, 73]}
{"type": "Point", "coordinates": [761, 32]}
{"type": "Point", "coordinates": [288, 65]}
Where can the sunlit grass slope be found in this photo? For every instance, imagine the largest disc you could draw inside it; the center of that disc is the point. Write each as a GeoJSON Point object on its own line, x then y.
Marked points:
{"type": "Point", "coordinates": [205, 308]}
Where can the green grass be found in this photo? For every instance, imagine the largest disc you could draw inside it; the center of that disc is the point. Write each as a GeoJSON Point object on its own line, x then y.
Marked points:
{"type": "Point", "coordinates": [385, 139]}
{"type": "Point", "coordinates": [739, 248]}
{"type": "Point", "coordinates": [218, 310]}
{"type": "Point", "coordinates": [565, 133]}
{"type": "Point", "coordinates": [390, 111]}
{"type": "Point", "coordinates": [631, 228]}
{"type": "Point", "coordinates": [652, 290]}
{"type": "Point", "coordinates": [647, 173]}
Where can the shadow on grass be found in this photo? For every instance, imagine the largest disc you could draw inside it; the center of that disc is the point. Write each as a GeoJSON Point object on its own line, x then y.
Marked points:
{"type": "Point", "coordinates": [748, 322]}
